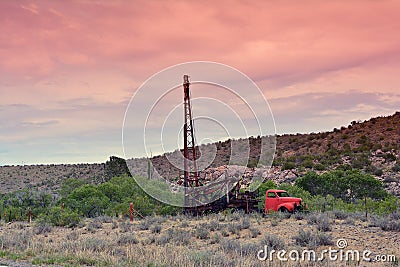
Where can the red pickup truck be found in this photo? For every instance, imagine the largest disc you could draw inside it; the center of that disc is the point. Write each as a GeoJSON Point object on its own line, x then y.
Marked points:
{"type": "Point", "coordinates": [279, 200]}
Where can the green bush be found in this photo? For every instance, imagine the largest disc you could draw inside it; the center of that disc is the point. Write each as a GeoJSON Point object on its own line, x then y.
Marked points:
{"type": "Point", "coordinates": [114, 197]}
{"type": "Point", "coordinates": [60, 217]}
{"type": "Point", "coordinates": [308, 163]}
{"type": "Point", "coordinates": [347, 185]}
{"type": "Point", "coordinates": [378, 172]}
{"type": "Point", "coordinates": [70, 185]}
{"type": "Point", "coordinates": [288, 165]}
{"type": "Point", "coordinates": [15, 205]}
{"type": "Point", "coordinates": [296, 191]}
{"type": "Point", "coordinates": [319, 167]}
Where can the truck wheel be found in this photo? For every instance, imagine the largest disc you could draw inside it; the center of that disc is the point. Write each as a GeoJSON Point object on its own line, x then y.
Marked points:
{"type": "Point", "coordinates": [283, 209]}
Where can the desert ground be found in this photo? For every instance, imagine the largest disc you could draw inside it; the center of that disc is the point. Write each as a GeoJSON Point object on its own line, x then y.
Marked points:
{"type": "Point", "coordinates": [224, 239]}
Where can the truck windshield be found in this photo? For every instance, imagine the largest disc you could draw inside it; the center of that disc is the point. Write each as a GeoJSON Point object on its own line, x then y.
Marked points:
{"type": "Point", "coordinates": [283, 194]}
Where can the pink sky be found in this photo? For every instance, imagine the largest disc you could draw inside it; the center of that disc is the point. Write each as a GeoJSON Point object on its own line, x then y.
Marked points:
{"type": "Point", "coordinates": [69, 68]}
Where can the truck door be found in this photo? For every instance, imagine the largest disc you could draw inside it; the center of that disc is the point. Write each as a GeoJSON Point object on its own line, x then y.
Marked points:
{"type": "Point", "coordinates": [271, 201]}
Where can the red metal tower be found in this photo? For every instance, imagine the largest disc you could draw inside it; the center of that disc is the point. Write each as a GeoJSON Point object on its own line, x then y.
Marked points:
{"type": "Point", "coordinates": [191, 178]}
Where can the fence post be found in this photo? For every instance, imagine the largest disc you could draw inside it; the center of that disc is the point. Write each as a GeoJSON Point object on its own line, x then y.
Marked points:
{"type": "Point", "coordinates": [29, 215]}
{"type": "Point", "coordinates": [131, 211]}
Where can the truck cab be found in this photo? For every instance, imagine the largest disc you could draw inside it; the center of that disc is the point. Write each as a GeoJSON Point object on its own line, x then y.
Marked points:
{"type": "Point", "coordinates": [279, 200]}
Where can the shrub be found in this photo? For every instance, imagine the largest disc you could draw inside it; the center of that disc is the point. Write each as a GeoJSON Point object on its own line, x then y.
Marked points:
{"type": "Point", "coordinates": [395, 215]}
{"type": "Point", "coordinates": [224, 233]}
{"type": "Point", "coordinates": [378, 172]}
{"type": "Point", "coordinates": [308, 163]}
{"type": "Point", "coordinates": [274, 221]}
{"type": "Point", "coordinates": [349, 221]}
{"type": "Point", "coordinates": [215, 239]}
{"type": "Point", "coordinates": [339, 183]}
{"type": "Point", "coordinates": [237, 215]}
{"type": "Point", "coordinates": [201, 258]}
{"type": "Point", "coordinates": [72, 236]}
{"type": "Point", "coordinates": [303, 238]}
{"type": "Point", "coordinates": [95, 245]}
{"type": "Point", "coordinates": [299, 216]}
{"type": "Point", "coordinates": [389, 157]}
{"type": "Point", "coordinates": [396, 168]}
{"type": "Point", "coordinates": [340, 215]}
{"type": "Point", "coordinates": [59, 217]}
{"type": "Point", "coordinates": [213, 226]}
{"type": "Point", "coordinates": [389, 225]}
{"type": "Point", "coordinates": [319, 167]}
{"type": "Point", "coordinates": [184, 224]}
{"type": "Point", "coordinates": [252, 163]}
{"type": "Point", "coordinates": [324, 223]}
{"type": "Point", "coordinates": [144, 225]}
{"type": "Point", "coordinates": [156, 229]}
{"type": "Point", "coordinates": [127, 239]}
{"type": "Point", "coordinates": [93, 226]}
{"type": "Point", "coordinates": [234, 246]}
{"type": "Point", "coordinates": [288, 166]}
{"type": "Point", "coordinates": [181, 237]}
{"type": "Point", "coordinates": [323, 240]}
{"type": "Point", "coordinates": [390, 179]}
{"type": "Point", "coordinates": [163, 239]}
{"type": "Point", "coordinates": [312, 240]}
{"type": "Point", "coordinates": [43, 228]}
{"type": "Point", "coordinates": [272, 242]}
{"type": "Point", "coordinates": [234, 228]}
{"type": "Point", "coordinates": [254, 232]}
{"type": "Point", "coordinates": [104, 219]}
{"type": "Point", "coordinates": [202, 233]}
{"type": "Point", "coordinates": [17, 241]}
{"type": "Point", "coordinates": [312, 218]}
{"type": "Point", "coordinates": [125, 227]}
{"type": "Point", "coordinates": [245, 223]}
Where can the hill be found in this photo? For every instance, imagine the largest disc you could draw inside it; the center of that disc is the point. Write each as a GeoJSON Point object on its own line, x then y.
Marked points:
{"type": "Point", "coordinates": [372, 145]}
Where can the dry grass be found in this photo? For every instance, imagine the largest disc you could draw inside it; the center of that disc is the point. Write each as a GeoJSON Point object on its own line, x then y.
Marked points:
{"type": "Point", "coordinates": [213, 240]}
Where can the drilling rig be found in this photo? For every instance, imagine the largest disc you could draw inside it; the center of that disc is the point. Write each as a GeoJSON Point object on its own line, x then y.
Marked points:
{"type": "Point", "coordinates": [202, 199]}
{"type": "Point", "coordinates": [190, 175]}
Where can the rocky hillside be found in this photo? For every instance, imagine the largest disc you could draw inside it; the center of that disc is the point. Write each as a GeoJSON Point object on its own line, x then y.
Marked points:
{"type": "Point", "coordinates": [50, 177]}
{"type": "Point", "coordinates": [372, 145]}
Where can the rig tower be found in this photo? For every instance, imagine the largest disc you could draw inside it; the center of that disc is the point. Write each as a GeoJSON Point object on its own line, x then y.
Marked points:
{"type": "Point", "coordinates": [191, 178]}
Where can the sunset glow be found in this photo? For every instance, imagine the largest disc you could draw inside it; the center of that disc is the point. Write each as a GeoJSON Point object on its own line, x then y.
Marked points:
{"type": "Point", "coordinates": [69, 68]}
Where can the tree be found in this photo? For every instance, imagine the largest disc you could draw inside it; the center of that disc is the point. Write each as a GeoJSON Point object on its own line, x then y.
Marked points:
{"type": "Point", "coordinates": [88, 200]}
{"type": "Point", "coordinates": [70, 185]}
{"type": "Point", "coordinates": [312, 183]}
{"type": "Point", "coordinates": [348, 185]}
{"type": "Point", "coordinates": [116, 167]}
{"type": "Point", "coordinates": [362, 185]}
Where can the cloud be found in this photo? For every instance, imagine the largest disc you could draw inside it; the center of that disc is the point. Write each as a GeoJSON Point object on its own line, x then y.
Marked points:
{"type": "Point", "coordinates": [31, 8]}
{"type": "Point", "coordinates": [68, 69]}
{"type": "Point", "coordinates": [39, 123]}
{"type": "Point", "coordinates": [315, 112]}
{"type": "Point", "coordinates": [266, 39]}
